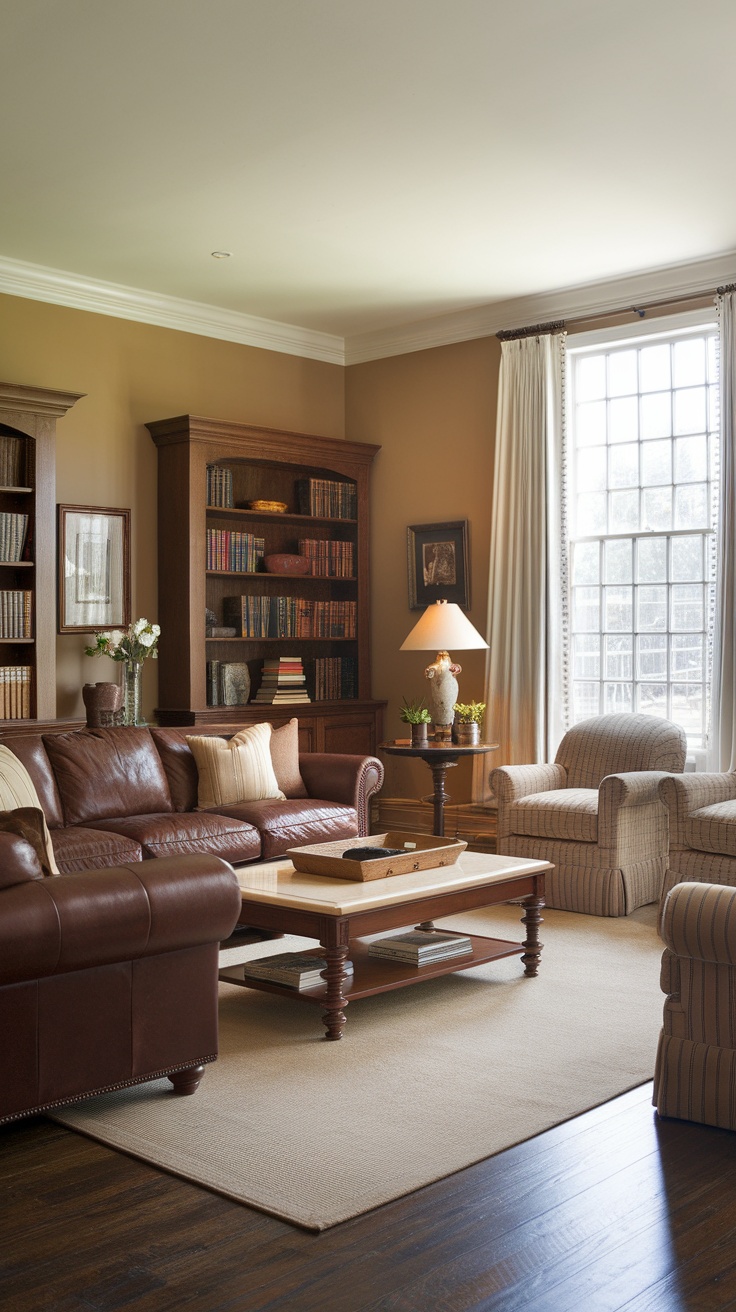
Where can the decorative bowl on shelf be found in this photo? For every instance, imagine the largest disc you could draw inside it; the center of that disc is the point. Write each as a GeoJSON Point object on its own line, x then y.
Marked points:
{"type": "Point", "coordinates": [283, 562]}
{"type": "Point", "coordinates": [272, 507]}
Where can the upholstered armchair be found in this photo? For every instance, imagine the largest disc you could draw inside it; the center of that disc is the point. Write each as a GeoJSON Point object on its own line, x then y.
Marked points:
{"type": "Point", "coordinates": [596, 813]}
{"type": "Point", "coordinates": [702, 810]}
{"type": "Point", "coordinates": [695, 1070]}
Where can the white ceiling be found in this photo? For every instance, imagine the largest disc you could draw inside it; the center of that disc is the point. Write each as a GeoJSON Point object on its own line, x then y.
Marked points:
{"type": "Point", "coordinates": [369, 163]}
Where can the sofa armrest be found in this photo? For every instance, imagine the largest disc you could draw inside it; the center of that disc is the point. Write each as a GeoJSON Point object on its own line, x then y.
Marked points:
{"type": "Point", "coordinates": [18, 861]}
{"type": "Point", "coordinates": [685, 793]}
{"type": "Point", "coordinates": [699, 921]}
{"type": "Point", "coordinates": [97, 917]}
{"type": "Point", "coordinates": [340, 777]}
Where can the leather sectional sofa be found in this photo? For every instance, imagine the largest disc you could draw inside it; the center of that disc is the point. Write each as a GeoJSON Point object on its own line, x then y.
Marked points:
{"type": "Point", "coordinates": [121, 795]}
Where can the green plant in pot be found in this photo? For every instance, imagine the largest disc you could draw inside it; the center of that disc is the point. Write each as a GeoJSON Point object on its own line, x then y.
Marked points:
{"type": "Point", "coordinates": [468, 719]}
{"type": "Point", "coordinates": [416, 715]}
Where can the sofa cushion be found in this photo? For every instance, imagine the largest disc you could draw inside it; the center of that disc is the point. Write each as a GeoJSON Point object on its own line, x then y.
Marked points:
{"type": "Point", "coordinates": [712, 829]}
{"type": "Point", "coordinates": [295, 822]}
{"type": "Point", "coordinates": [181, 833]}
{"type": "Point", "coordinates": [29, 749]}
{"type": "Point", "coordinates": [107, 772]}
{"type": "Point", "coordinates": [180, 766]}
{"type": "Point", "coordinates": [567, 813]}
{"type": "Point", "coordinates": [77, 848]}
{"type": "Point", "coordinates": [17, 790]}
{"type": "Point", "coordinates": [237, 770]}
{"type": "Point", "coordinates": [285, 759]}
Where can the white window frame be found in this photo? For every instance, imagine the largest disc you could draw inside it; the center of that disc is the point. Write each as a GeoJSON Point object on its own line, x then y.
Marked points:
{"type": "Point", "coordinates": [597, 342]}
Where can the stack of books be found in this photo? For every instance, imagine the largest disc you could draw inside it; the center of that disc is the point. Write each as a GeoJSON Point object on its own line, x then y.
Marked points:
{"type": "Point", "coordinates": [12, 536]}
{"type": "Point", "coordinates": [297, 970]}
{"type": "Point", "coordinates": [15, 614]}
{"type": "Point", "coordinates": [327, 499]}
{"type": "Point", "coordinates": [419, 947]}
{"type": "Point", "coordinates": [283, 681]}
{"type": "Point", "coordinates": [219, 486]}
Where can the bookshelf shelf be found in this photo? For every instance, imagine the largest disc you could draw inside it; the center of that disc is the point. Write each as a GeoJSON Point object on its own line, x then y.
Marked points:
{"type": "Point", "coordinates": [259, 464]}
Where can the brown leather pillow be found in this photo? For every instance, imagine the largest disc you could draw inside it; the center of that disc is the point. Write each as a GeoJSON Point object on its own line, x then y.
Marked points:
{"type": "Point", "coordinates": [27, 823]}
{"type": "Point", "coordinates": [285, 759]}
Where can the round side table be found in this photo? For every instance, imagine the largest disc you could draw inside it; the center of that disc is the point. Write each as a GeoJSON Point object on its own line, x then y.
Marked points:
{"type": "Point", "coordinates": [440, 757]}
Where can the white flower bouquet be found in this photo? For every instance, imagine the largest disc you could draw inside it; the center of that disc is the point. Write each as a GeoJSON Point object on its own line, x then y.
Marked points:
{"type": "Point", "coordinates": [136, 643]}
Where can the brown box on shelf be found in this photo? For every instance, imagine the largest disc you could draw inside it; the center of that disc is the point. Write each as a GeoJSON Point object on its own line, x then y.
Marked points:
{"type": "Point", "coordinates": [419, 852]}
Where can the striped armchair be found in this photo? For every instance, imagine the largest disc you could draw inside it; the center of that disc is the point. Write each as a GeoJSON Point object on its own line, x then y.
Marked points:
{"type": "Point", "coordinates": [596, 814]}
{"type": "Point", "coordinates": [695, 1070]}
{"type": "Point", "coordinates": [702, 809]}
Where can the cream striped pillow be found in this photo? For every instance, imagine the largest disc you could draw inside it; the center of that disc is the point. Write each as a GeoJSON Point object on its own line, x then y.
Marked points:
{"type": "Point", "coordinates": [18, 789]}
{"type": "Point", "coordinates": [240, 770]}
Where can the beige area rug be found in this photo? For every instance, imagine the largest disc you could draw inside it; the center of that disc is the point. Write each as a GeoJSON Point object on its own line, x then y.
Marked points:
{"type": "Point", "coordinates": [425, 1081]}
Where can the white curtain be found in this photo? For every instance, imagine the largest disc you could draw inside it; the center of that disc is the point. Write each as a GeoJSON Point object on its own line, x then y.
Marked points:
{"type": "Point", "coordinates": [525, 687]}
{"type": "Point", "coordinates": [722, 735]}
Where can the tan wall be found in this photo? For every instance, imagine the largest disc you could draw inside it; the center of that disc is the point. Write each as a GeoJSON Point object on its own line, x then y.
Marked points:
{"type": "Point", "coordinates": [434, 414]}
{"type": "Point", "coordinates": [132, 373]}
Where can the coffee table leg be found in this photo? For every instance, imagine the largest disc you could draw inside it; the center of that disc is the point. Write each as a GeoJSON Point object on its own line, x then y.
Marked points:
{"type": "Point", "coordinates": [334, 976]}
{"type": "Point", "coordinates": [532, 919]}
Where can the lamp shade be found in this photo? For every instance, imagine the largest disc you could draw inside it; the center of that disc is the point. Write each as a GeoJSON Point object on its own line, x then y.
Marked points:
{"type": "Point", "coordinates": [443, 627]}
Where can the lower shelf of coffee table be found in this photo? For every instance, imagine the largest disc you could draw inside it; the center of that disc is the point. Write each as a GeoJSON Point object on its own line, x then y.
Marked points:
{"type": "Point", "coordinates": [376, 975]}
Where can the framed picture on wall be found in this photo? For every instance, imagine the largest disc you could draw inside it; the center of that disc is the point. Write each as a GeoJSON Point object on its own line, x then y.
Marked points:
{"type": "Point", "coordinates": [438, 564]}
{"type": "Point", "coordinates": [94, 568]}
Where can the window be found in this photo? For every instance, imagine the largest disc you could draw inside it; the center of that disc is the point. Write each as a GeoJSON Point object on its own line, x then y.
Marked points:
{"type": "Point", "coordinates": [642, 455]}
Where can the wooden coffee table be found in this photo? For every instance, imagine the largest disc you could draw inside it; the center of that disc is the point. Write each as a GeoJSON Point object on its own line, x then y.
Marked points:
{"type": "Point", "coordinates": [343, 916]}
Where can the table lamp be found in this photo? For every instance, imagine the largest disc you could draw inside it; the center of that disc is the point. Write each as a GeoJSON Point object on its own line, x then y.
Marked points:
{"type": "Point", "coordinates": [443, 625]}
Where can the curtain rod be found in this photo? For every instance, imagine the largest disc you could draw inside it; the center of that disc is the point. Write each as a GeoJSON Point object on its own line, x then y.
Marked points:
{"type": "Point", "coordinates": [560, 325]}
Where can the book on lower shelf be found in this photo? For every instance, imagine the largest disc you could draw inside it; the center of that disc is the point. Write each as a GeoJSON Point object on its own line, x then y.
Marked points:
{"type": "Point", "coordinates": [419, 947]}
{"type": "Point", "coordinates": [282, 681]}
{"type": "Point", "coordinates": [294, 969]}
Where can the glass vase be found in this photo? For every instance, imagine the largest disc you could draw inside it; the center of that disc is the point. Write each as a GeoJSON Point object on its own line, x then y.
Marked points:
{"type": "Point", "coordinates": [132, 671]}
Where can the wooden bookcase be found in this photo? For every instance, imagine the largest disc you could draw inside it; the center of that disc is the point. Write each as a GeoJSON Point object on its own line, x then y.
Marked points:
{"type": "Point", "coordinates": [28, 416]}
{"type": "Point", "coordinates": [266, 464]}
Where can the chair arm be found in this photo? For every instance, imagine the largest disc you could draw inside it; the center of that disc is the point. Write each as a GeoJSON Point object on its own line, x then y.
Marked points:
{"type": "Point", "coordinates": [341, 777]}
{"type": "Point", "coordinates": [699, 921]}
{"type": "Point", "coordinates": [632, 788]}
{"type": "Point", "coordinates": [97, 917]}
{"type": "Point", "coordinates": [511, 782]}
{"type": "Point", "coordinates": [684, 793]}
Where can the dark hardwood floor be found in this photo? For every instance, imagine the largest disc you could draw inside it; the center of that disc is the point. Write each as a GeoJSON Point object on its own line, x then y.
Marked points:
{"type": "Point", "coordinates": [614, 1210]}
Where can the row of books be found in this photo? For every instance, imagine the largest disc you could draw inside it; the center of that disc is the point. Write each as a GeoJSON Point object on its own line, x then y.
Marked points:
{"type": "Point", "coordinates": [15, 692]}
{"type": "Point", "coordinates": [298, 970]}
{"type": "Point", "coordinates": [219, 486]}
{"type": "Point", "coordinates": [13, 529]}
{"type": "Point", "coordinates": [327, 498]}
{"type": "Point", "coordinates": [283, 681]}
{"type": "Point", "coordinates": [335, 678]}
{"type": "Point", "coordinates": [290, 617]}
{"type": "Point", "coordinates": [13, 461]}
{"type": "Point", "coordinates": [15, 614]}
{"type": "Point", "coordinates": [228, 683]}
{"type": "Point", "coordinates": [232, 550]}
{"type": "Point", "coordinates": [327, 559]}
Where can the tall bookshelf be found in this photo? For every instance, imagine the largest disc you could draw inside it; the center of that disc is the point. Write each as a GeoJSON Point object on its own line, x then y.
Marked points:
{"type": "Point", "coordinates": [263, 465]}
{"type": "Point", "coordinates": [28, 418]}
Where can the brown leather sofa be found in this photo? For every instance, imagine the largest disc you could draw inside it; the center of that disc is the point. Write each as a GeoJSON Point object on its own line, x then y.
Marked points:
{"type": "Point", "coordinates": [107, 977]}
{"type": "Point", "coordinates": [121, 795]}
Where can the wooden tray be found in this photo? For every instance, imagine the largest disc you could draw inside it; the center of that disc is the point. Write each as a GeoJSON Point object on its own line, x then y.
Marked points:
{"type": "Point", "coordinates": [423, 852]}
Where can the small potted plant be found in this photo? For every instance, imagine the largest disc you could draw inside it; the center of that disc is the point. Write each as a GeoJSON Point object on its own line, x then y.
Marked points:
{"type": "Point", "coordinates": [466, 726]}
{"type": "Point", "coordinates": [416, 715]}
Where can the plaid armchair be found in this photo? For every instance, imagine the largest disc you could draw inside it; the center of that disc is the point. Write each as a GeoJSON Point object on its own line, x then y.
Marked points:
{"type": "Point", "coordinates": [702, 809]}
{"type": "Point", "coordinates": [695, 1070]}
{"type": "Point", "coordinates": [596, 814]}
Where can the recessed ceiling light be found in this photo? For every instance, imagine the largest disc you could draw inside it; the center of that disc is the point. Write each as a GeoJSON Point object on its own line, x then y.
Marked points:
{"type": "Point", "coordinates": [221, 255]}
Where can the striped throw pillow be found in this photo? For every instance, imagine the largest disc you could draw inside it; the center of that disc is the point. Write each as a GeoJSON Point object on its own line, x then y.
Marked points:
{"type": "Point", "coordinates": [240, 770]}
{"type": "Point", "coordinates": [17, 789]}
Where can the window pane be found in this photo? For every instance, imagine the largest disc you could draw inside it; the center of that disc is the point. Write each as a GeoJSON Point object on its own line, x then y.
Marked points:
{"type": "Point", "coordinates": [623, 419]}
{"type": "Point", "coordinates": [690, 410]}
{"type": "Point", "coordinates": [654, 367]}
{"type": "Point", "coordinates": [656, 416]}
{"type": "Point", "coordinates": [651, 657]}
{"type": "Point", "coordinates": [591, 469]}
{"type": "Point", "coordinates": [619, 656]}
{"type": "Point", "coordinates": [622, 373]}
{"type": "Point", "coordinates": [656, 508]}
{"type": "Point", "coordinates": [691, 459]}
{"type": "Point", "coordinates": [689, 363]}
{"type": "Point", "coordinates": [687, 707]}
{"type": "Point", "coordinates": [591, 513]}
{"type": "Point", "coordinates": [652, 608]}
{"type": "Point", "coordinates": [586, 658]}
{"type": "Point", "coordinates": [691, 506]}
{"type": "Point", "coordinates": [585, 700]}
{"type": "Point", "coordinates": [590, 429]}
{"type": "Point", "coordinates": [687, 656]}
{"type": "Point", "coordinates": [623, 465]}
{"type": "Point", "coordinates": [617, 697]}
{"type": "Point", "coordinates": [618, 607]}
{"type": "Point", "coordinates": [617, 558]}
{"type": "Point", "coordinates": [586, 562]}
{"type": "Point", "coordinates": [624, 512]}
{"type": "Point", "coordinates": [586, 616]}
{"type": "Point", "coordinates": [651, 560]}
{"type": "Point", "coordinates": [652, 699]}
{"type": "Point", "coordinates": [688, 607]}
{"type": "Point", "coordinates": [656, 463]}
{"type": "Point", "coordinates": [590, 377]}
{"type": "Point", "coordinates": [687, 560]}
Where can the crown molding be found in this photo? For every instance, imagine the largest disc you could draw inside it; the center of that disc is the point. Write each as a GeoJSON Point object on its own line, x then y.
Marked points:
{"type": "Point", "coordinates": [598, 298]}
{"type": "Point", "coordinates": [35, 282]}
